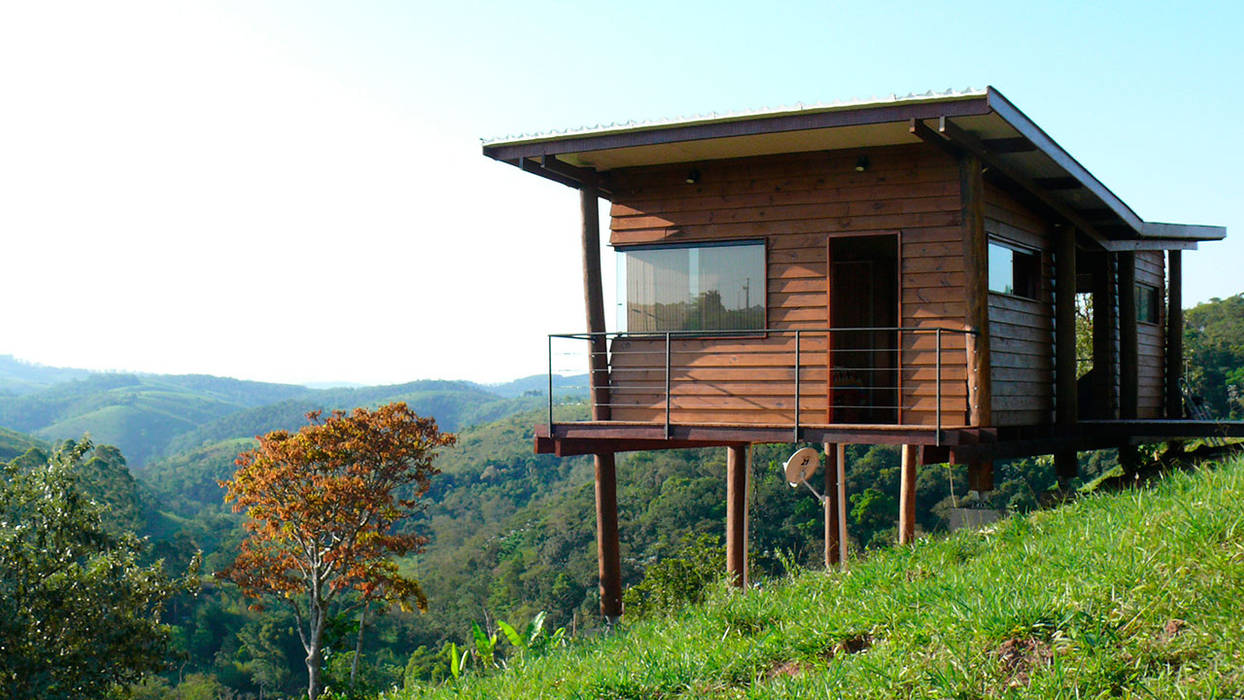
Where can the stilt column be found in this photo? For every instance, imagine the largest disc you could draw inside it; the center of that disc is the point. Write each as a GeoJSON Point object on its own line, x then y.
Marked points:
{"type": "Point", "coordinates": [907, 496]}
{"type": "Point", "coordinates": [832, 555]}
{"type": "Point", "coordinates": [608, 560]}
{"type": "Point", "coordinates": [736, 514]}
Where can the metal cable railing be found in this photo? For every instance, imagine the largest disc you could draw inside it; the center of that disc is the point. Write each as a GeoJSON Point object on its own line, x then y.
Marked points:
{"type": "Point", "coordinates": [870, 376]}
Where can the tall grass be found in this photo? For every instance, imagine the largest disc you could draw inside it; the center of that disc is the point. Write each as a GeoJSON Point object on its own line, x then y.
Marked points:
{"type": "Point", "coordinates": [1139, 593]}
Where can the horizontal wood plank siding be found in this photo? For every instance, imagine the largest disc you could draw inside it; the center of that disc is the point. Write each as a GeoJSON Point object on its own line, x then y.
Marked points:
{"type": "Point", "coordinates": [1151, 338]}
{"type": "Point", "coordinates": [795, 203]}
{"type": "Point", "coordinates": [1021, 330]}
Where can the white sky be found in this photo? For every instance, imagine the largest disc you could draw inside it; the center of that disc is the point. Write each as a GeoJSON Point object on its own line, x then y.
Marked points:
{"type": "Point", "coordinates": [294, 191]}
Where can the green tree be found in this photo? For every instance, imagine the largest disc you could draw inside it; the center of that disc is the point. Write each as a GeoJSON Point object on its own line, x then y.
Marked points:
{"type": "Point", "coordinates": [79, 613]}
{"type": "Point", "coordinates": [1214, 349]}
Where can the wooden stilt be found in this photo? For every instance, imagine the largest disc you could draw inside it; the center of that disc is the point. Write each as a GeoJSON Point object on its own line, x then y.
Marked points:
{"type": "Point", "coordinates": [832, 555]}
{"type": "Point", "coordinates": [610, 567]}
{"type": "Point", "coordinates": [609, 562]}
{"type": "Point", "coordinates": [841, 464]}
{"type": "Point", "coordinates": [1066, 465]}
{"type": "Point", "coordinates": [736, 514]}
{"type": "Point", "coordinates": [907, 496]}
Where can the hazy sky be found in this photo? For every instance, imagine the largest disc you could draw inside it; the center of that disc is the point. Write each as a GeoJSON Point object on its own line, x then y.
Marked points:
{"type": "Point", "coordinates": [294, 191]}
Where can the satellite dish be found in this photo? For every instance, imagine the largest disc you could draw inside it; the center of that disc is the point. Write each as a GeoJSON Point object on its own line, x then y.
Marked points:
{"type": "Point", "coordinates": [802, 465]}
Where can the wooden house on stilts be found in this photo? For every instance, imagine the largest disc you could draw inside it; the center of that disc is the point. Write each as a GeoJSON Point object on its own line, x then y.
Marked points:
{"type": "Point", "coordinates": [899, 271]}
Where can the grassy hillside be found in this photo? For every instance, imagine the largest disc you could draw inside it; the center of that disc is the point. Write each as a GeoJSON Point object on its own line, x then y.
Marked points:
{"type": "Point", "coordinates": [1136, 593]}
{"type": "Point", "coordinates": [14, 444]}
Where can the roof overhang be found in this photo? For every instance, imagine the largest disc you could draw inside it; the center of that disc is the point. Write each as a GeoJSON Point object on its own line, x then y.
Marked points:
{"type": "Point", "coordinates": [1016, 152]}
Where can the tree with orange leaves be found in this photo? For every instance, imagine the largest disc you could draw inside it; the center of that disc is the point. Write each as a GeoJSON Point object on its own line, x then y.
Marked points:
{"type": "Point", "coordinates": [323, 503]}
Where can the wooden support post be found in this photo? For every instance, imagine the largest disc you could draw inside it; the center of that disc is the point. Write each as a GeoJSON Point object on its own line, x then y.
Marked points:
{"type": "Point", "coordinates": [607, 555]}
{"type": "Point", "coordinates": [607, 550]}
{"type": "Point", "coordinates": [907, 496]}
{"type": "Point", "coordinates": [1066, 396]}
{"type": "Point", "coordinates": [1129, 458]}
{"type": "Point", "coordinates": [980, 476]}
{"type": "Point", "coordinates": [841, 463]}
{"type": "Point", "coordinates": [976, 267]}
{"type": "Point", "coordinates": [831, 506]}
{"type": "Point", "coordinates": [1174, 334]}
{"type": "Point", "coordinates": [1128, 352]}
{"type": "Point", "coordinates": [736, 514]}
{"type": "Point", "coordinates": [594, 302]}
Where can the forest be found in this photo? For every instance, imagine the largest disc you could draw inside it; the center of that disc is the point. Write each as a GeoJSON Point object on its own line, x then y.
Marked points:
{"type": "Point", "coordinates": [509, 534]}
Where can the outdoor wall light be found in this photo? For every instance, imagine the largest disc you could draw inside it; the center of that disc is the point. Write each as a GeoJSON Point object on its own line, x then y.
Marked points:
{"type": "Point", "coordinates": [693, 176]}
{"type": "Point", "coordinates": [861, 164]}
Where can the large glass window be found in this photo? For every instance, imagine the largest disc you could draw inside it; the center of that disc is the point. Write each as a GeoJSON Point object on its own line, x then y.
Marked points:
{"type": "Point", "coordinates": [1014, 271]}
{"type": "Point", "coordinates": [690, 288]}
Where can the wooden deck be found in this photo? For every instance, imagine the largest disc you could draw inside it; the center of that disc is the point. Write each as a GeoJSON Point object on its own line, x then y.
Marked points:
{"type": "Point", "coordinates": [955, 444]}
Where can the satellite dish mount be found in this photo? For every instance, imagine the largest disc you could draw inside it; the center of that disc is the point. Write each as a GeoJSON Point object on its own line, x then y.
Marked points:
{"type": "Point", "coordinates": [802, 465]}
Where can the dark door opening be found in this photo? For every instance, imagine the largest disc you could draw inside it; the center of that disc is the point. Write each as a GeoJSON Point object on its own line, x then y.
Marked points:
{"type": "Point", "coordinates": [863, 295]}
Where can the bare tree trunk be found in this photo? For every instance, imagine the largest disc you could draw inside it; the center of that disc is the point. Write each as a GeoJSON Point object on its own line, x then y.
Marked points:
{"type": "Point", "coordinates": [358, 646]}
{"type": "Point", "coordinates": [315, 651]}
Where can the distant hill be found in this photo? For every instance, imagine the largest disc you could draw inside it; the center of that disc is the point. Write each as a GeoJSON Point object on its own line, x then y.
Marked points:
{"type": "Point", "coordinates": [538, 385]}
{"type": "Point", "coordinates": [139, 414]}
{"type": "Point", "coordinates": [453, 404]}
{"type": "Point", "coordinates": [18, 377]}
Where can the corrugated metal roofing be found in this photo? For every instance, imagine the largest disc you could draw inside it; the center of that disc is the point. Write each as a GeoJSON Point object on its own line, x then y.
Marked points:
{"type": "Point", "coordinates": [615, 127]}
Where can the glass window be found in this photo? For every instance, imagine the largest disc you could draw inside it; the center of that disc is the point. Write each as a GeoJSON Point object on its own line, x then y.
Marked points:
{"type": "Point", "coordinates": [1147, 303]}
{"type": "Point", "coordinates": [691, 288]}
{"type": "Point", "coordinates": [1013, 271]}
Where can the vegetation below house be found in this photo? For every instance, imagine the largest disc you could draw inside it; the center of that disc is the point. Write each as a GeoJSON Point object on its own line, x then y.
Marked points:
{"type": "Point", "coordinates": [1138, 592]}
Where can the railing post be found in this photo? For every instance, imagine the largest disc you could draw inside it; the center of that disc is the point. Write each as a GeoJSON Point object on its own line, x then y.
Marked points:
{"type": "Point", "coordinates": [667, 385]}
{"type": "Point", "coordinates": [939, 387]}
{"type": "Point", "coordinates": [797, 339]}
{"type": "Point", "coordinates": [550, 386]}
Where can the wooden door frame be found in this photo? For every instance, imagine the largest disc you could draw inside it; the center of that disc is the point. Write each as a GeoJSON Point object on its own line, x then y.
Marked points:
{"type": "Point", "coordinates": [829, 315]}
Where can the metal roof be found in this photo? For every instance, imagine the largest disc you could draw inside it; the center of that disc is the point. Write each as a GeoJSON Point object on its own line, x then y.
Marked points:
{"type": "Point", "coordinates": [799, 107]}
{"type": "Point", "coordinates": [983, 122]}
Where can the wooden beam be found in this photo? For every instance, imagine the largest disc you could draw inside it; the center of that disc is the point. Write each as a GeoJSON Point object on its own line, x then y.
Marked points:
{"type": "Point", "coordinates": [1131, 245]}
{"type": "Point", "coordinates": [1017, 144]}
{"type": "Point", "coordinates": [967, 140]}
{"type": "Point", "coordinates": [907, 496]}
{"type": "Point", "coordinates": [736, 514]}
{"type": "Point", "coordinates": [1129, 367]}
{"type": "Point", "coordinates": [832, 555]}
{"type": "Point", "coordinates": [607, 554]}
{"type": "Point", "coordinates": [921, 130]}
{"type": "Point", "coordinates": [976, 261]}
{"type": "Point", "coordinates": [1058, 183]}
{"type": "Point", "coordinates": [1174, 334]}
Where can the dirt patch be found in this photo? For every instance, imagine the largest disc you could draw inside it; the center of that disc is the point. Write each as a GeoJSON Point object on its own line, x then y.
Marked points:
{"type": "Point", "coordinates": [1172, 629]}
{"type": "Point", "coordinates": [850, 645]}
{"type": "Point", "coordinates": [1020, 656]}
{"type": "Point", "coordinates": [787, 669]}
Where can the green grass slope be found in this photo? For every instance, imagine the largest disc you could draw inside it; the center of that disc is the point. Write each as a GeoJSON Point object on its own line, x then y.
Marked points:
{"type": "Point", "coordinates": [14, 444]}
{"type": "Point", "coordinates": [1135, 594]}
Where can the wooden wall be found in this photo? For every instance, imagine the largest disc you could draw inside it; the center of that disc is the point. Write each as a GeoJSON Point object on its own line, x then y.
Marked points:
{"type": "Point", "coordinates": [795, 203]}
{"type": "Point", "coordinates": [1021, 331]}
{"type": "Point", "coordinates": [1151, 338]}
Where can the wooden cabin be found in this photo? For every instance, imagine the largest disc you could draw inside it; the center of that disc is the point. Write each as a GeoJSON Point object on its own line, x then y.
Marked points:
{"type": "Point", "coordinates": [900, 271]}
